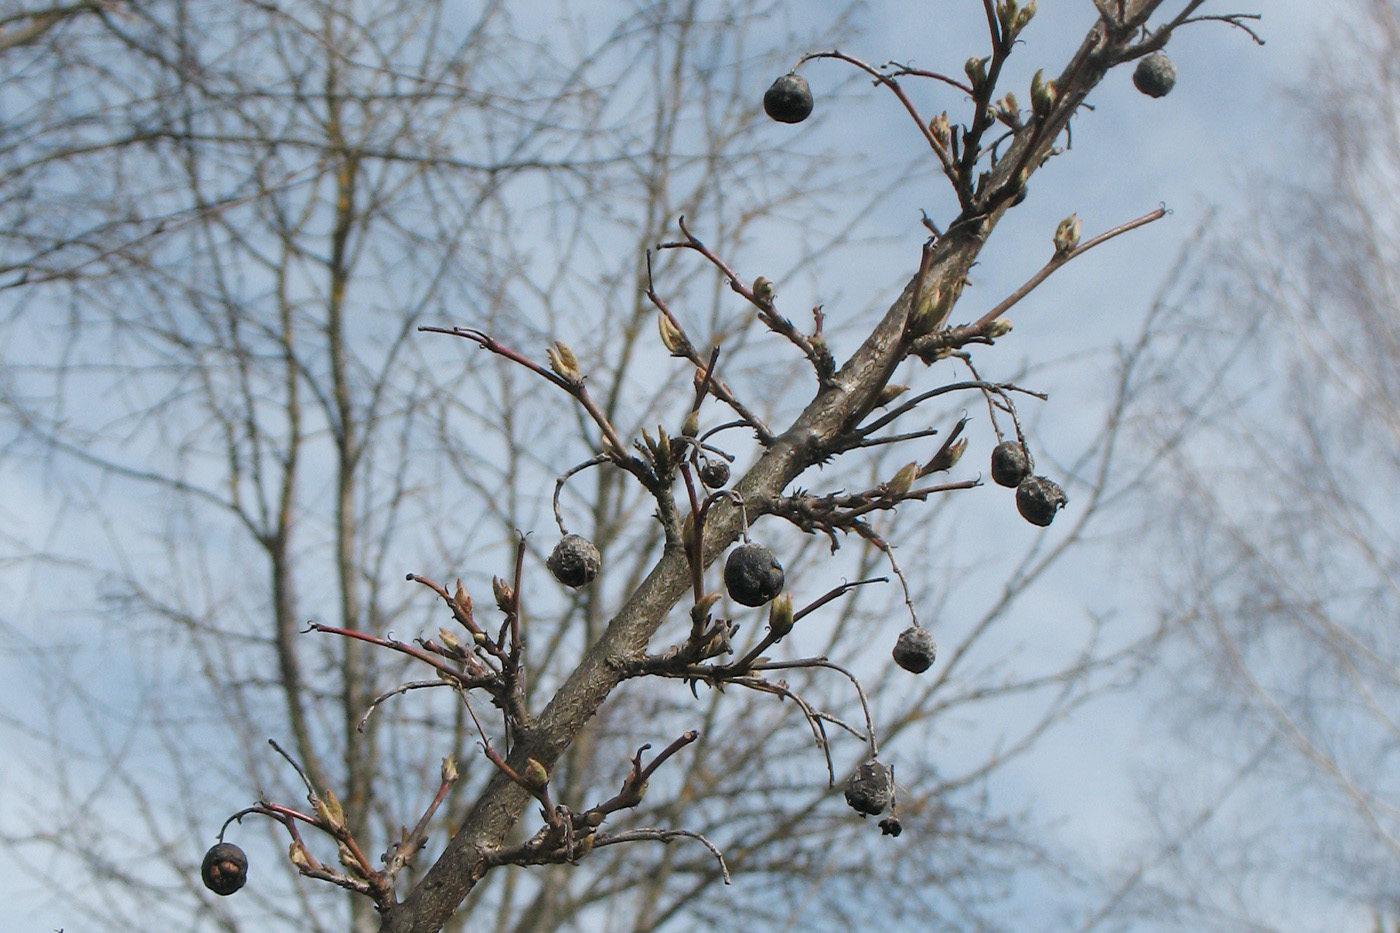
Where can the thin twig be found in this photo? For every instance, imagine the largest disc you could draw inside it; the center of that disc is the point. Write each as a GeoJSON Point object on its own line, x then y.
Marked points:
{"type": "Point", "coordinates": [1058, 260]}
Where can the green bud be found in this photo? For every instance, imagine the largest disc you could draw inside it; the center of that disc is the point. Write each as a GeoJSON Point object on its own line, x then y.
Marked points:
{"type": "Point", "coordinates": [763, 291]}
{"type": "Point", "coordinates": [780, 615]}
{"type": "Point", "coordinates": [1067, 235]}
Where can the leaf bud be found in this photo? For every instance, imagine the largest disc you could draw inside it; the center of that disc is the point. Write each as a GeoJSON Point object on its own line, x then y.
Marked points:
{"type": "Point", "coordinates": [1023, 18]}
{"type": "Point", "coordinates": [976, 70]}
{"type": "Point", "coordinates": [535, 774]}
{"type": "Point", "coordinates": [901, 482]}
{"type": "Point", "coordinates": [1067, 235]}
{"type": "Point", "coordinates": [505, 596]}
{"type": "Point", "coordinates": [946, 459]}
{"type": "Point", "coordinates": [763, 291]}
{"type": "Point", "coordinates": [780, 615]}
{"type": "Point", "coordinates": [888, 394]}
{"type": "Point", "coordinates": [941, 129]}
{"type": "Point", "coordinates": [1008, 111]}
{"type": "Point", "coordinates": [672, 338]}
{"type": "Point", "coordinates": [563, 361]}
{"type": "Point", "coordinates": [998, 328]}
{"type": "Point", "coordinates": [1043, 95]}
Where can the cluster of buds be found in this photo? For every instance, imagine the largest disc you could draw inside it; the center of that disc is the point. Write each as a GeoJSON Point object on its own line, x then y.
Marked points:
{"type": "Point", "coordinates": [1013, 18]}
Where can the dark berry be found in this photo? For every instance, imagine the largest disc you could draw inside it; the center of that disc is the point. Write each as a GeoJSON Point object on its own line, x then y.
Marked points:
{"type": "Point", "coordinates": [1009, 464]}
{"type": "Point", "coordinates": [789, 99]}
{"type": "Point", "coordinates": [714, 473]}
{"type": "Point", "coordinates": [890, 826]}
{"type": "Point", "coordinates": [1038, 499]}
{"type": "Point", "coordinates": [869, 790]}
{"type": "Point", "coordinates": [914, 649]}
{"type": "Point", "coordinates": [225, 868]}
{"type": "Point", "coordinates": [574, 561]}
{"type": "Point", "coordinates": [752, 575]}
{"type": "Point", "coordinates": [1155, 75]}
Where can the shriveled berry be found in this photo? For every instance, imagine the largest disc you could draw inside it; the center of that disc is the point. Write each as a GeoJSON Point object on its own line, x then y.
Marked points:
{"type": "Point", "coordinates": [1038, 499]}
{"type": "Point", "coordinates": [789, 99]}
{"type": "Point", "coordinates": [868, 791]}
{"type": "Point", "coordinates": [574, 561]}
{"type": "Point", "coordinates": [752, 575]}
{"type": "Point", "coordinates": [225, 868]}
{"type": "Point", "coordinates": [714, 473]}
{"type": "Point", "coordinates": [914, 649]}
{"type": "Point", "coordinates": [890, 826]}
{"type": "Point", "coordinates": [1155, 75]}
{"type": "Point", "coordinates": [1009, 464]}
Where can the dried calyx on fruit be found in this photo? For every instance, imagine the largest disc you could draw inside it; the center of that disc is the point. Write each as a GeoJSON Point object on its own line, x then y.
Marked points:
{"type": "Point", "coordinates": [914, 649]}
{"type": "Point", "coordinates": [752, 575]}
{"type": "Point", "coordinates": [1038, 499]}
{"type": "Point", "coordinates": [225, 868]}
{"type": "Point", "coordinates": [869, 790]}
{"type": "Point", "coordinates": [789, 99]}
{"type": "Point", "coordinates": [714, 473]}
{"type": "Point", "coordinates": [1010, 463]}
{"type": "Point", "coordinates": [1155, 75]}
{"type": "Point", "coordinates": [574, 561]}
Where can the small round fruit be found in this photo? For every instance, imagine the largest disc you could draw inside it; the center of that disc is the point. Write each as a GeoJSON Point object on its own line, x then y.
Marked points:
{"type": "Point", "coordinates": [714, 473]}
{"type": "Point", "coordinates": [1009, 464]}
{"type": "Point", "coordinates": [914, 649]}
{"type": "Point", "coordinates": [1038, 499]}
{"type": "Point", "coordinates": [752, 575]}
{"type": "Point", "coordinates": [789, 99]}
{"type": "Point", "coordinates": [1155, 75]}
{"type": "Point", "coordinates": [869, 790]}
{"type": "Point", "coordinates": [574, 561]}
{"type": "Point", "coordinates": [225, 869]}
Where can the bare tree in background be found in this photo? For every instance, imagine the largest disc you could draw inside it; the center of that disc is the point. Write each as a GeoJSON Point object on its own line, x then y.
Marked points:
{"type": "Point", "coordinates": [212, 347]}
{"type": "Point", "coordinates": [1281, 401]}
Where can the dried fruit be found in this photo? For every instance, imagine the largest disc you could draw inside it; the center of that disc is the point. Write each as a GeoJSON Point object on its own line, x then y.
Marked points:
{"type": "Point", "coordinates": [1010, 464]}
{"type": "Point", "coordinates": [1155, 75]}
{"type": "Point", "coordinates": [1038, 499]}
{"type": "Point", "coordinates": [914, 649]}
{"type": "Point", "coordinates": [714, 473]}
{"type": "Point", "coordinates": [789, 99]}
{"type": "Point", "coordinates": [574, 561]}
{"type": "Point", "coordinates": [752, 575]}
{"type": "Point", "coordinates": [869, 790]}
{"type": "Point", "coordinates": [225, 868]}
{"type": "Point", "coordinates": [890, 826]}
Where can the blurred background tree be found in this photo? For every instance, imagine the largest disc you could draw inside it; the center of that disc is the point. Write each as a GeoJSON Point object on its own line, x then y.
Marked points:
{"type": "Point", "coordinates": [1277, 400]}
